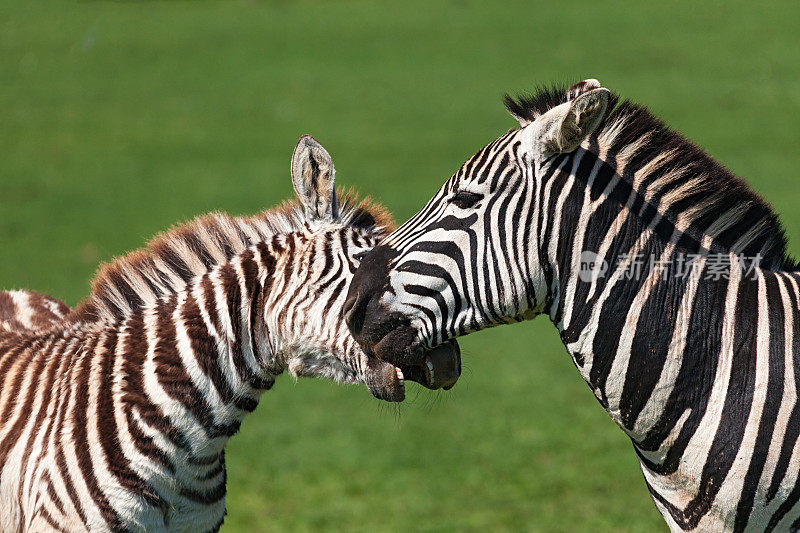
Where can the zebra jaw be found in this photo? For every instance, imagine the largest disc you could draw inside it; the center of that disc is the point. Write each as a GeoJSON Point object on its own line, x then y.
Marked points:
{"type": "Point", "coordinates": [384, 380]}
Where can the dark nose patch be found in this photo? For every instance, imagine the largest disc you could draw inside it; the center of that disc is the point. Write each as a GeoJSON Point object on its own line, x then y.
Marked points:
{"type": "Point", "coordinates": [354, 313]}
{"type": "Point", "coordinates": [369, 282]}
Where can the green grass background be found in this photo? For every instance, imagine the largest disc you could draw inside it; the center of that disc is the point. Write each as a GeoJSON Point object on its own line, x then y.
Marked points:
{"type": "Point", "coordinates": [120, 119]}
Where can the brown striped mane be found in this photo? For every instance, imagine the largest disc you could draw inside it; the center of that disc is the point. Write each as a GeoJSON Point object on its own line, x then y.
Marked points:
{"type": "Point", "coordinates": [167, 263]}
{"type": "Point", "coordinates": [679, 179]}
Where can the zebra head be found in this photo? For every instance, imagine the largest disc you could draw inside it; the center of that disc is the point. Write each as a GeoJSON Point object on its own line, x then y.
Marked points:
{"type": "Point", "coordinates": [305, 308]}
{"type": "Point", "coordinates": [471, 258]}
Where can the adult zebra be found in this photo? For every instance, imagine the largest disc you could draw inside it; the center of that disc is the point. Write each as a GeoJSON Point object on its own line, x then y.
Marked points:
{"type": "Point", "coordinates": [696, 358]}
{"type": "Point", "coordinates": [116, 416]}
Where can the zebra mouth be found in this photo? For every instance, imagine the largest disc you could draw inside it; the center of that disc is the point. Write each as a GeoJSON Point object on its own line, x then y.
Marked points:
{"type": "Point", "coordinates": [440, 369]}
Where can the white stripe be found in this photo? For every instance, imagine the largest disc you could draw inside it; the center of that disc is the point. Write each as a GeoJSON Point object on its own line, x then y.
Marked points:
{"type": "Point", "coordinates": [555, 234]}
{"type": "Point", "coordinates": [696, 454]}
{"type": "Point", "coordinates": [731, 489]}
{"type": "Point", "coordinates": [788, 399]}
{"type": "Point", "coordinates": [654, 407]}
{"type": "Point", "coordinates": [615, 382]}
{"type": "Point", "coordinates": [24, 312]}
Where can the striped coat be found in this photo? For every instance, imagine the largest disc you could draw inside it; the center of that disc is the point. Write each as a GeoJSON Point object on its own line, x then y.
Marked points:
{"type": "Point", "coordinates": [115, 416]}
{"type": "Point", "coordinates": [665, 275]}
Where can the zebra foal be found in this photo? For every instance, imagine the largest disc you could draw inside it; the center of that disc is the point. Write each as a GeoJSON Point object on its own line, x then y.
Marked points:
{"type": "Point", "coordinates": [115, 416]}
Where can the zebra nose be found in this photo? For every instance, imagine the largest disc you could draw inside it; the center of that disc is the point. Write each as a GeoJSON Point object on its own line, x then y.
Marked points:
{"type": "Point", "coordinates": [369, 282]}
{"type": "Point", "coordinates": [354, 308]}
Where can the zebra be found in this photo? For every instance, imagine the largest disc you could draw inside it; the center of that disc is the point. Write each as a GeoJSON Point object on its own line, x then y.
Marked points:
{"type": "Point", "coordinates": [697, 358]}
{"type": "Point", "coordinates": [114, 416]}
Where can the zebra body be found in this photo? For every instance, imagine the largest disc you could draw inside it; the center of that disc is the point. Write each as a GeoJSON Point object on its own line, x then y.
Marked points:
{"type": "Point", "coordinates": [701, 370]}
{"type": "Point", "coordinates": [116, 416]}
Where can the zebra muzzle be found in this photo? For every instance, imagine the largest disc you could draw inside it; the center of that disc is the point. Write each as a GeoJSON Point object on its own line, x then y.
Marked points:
{"type": "Point", "coordinates": [440, 368]}
{"type": "Point", "coordinates": [385, 381]}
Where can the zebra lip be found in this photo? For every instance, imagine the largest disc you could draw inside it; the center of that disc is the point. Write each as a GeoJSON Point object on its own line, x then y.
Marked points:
{"type": "Point", "coordinates": [442, 366]}
{"type": "Point", "coordinates": [384, 381]}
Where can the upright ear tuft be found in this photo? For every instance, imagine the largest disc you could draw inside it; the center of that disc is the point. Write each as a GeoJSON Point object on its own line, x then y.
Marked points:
{"type": "Point", "coordinates": [582, 87]}
{"type": "Point", "coordinates": [564, 128]}
{"type": "Point", "coordinates": [313, 179]}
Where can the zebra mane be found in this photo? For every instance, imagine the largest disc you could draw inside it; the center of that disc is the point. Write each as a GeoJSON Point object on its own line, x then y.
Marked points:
{"type": "Point", "coordinates": [682, 182]}
{"type": "Point", "coordinates": [170, 260]}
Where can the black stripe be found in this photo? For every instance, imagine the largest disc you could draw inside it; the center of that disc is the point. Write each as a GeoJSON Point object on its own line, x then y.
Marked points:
{"type": "Point", "coordinates": [772, 403]}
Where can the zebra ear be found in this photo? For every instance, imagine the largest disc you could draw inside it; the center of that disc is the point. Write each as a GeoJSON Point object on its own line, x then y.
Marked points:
{"type": "Point", "coordinates": [313, 179]}
{"type": "Point", "coordinates": [564, 128]}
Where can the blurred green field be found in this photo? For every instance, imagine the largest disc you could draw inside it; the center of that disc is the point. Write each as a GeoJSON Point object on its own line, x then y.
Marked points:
{"type": "Point", "coordinates": [120, 119]}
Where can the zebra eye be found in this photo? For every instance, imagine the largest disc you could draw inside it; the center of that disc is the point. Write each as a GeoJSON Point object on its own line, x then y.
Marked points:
{"type": "Point", "coordinates": [360, 255]}
{"type": "Point", "coordinates": [465, 199]}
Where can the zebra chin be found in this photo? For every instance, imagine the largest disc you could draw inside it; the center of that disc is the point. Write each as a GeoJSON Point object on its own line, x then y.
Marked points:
{"type": "Point", "coordinates": [384, 380]}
